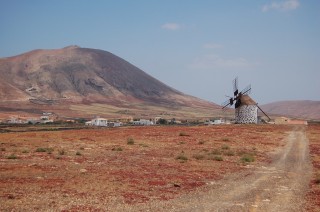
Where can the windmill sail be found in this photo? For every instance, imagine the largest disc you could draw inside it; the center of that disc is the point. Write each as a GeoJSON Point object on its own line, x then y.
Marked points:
{"type": "Point", "coordinates": [263, 112]}
{"type": "Point", "coordinates": [235, 86]}
{"type": "Point", "coordinates": [246, 90]}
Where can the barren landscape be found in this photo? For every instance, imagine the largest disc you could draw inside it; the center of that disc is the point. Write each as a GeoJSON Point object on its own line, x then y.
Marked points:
{"type": "Point", "coordinates": [177, 168]}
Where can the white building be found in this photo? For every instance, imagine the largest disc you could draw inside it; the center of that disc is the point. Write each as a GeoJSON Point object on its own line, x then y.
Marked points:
{"type": "Point", "coordinates": [114, 124]}
{"type": "Point", "coordinates": [218, 121]}
{"type": "Point", "coordinates": [143, 122]}
{"type": "Point", "coordinates": [98, 122]}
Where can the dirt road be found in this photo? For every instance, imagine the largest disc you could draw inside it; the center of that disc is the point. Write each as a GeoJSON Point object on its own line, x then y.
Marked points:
{"type": "Point", "coordinates": [280, 186]}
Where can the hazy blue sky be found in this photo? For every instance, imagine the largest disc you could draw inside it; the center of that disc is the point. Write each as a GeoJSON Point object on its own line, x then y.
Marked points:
{"type": "Point", "coordinates": [195, 46]}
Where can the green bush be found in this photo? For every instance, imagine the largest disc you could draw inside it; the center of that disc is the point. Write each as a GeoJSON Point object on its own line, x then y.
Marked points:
{"type": "Point", "coordinates": [199, 156]}
{"type": "Point", "coordinates": [215, 152]}
{"type": "Point", "coordinates": [183, 134]}
{"type": "Point", "coordinates": [229, 153]}
{"type": "Point", "coordinates": [12, 156]}
{"type": "Point", "coordinates": [162, 121]}
{"type": "Point", "coordinates": [247, 158]}
{"type": "Point", "coordinates": [130, 141]}
{"type": "Point", "coordinates": [201, 142]}
{"type": "Point", "coordinates": [225, 147]}
{"type": "Point", "coordinates": [317, 180]}
{"type": "Point", "coordinates": [182, 157]}
{"type": "Point", "coordinates": [62, 152]}
{"type": "Point", "coordinates": [40, 149]}
{"type": "Point", "coordinates": [117, 149]}
{"type": "Point", "coordinates": [218, 158]}
{"type": "Point", "coordinates": [48, 150]}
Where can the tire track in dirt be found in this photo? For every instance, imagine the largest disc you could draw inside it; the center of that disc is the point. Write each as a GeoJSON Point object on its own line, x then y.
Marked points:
{"type": "Point", "coordinates": [280, 186]}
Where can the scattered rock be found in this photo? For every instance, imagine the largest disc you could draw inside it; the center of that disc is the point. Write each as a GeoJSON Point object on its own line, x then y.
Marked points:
{"type": "Point", "coordinates": [83, 170]}
{"type": "Point", "coordinates": [176, 185]}
{"type": "Point", "coordinates": [10, 196]}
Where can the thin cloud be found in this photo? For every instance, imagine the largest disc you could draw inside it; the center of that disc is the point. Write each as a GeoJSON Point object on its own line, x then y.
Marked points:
{"type": "Point", "coordinates": [213, 61]}
{"type": "Point", "coordinates": [171, 26]}
{"type": "Point", "coordinates": [281, 6]}
{"type": "Point", "coordinates": [212, 46]}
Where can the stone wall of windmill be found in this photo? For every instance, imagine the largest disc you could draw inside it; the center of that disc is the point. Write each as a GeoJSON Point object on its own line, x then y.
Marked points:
{"type": "Point", "coordinates": [247, 111]}
{"type": "Point", "coordinates": [246, 114]}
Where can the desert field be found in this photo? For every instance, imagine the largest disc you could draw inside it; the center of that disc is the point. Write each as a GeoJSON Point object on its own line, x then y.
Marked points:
{"type": "Point", "coordinates": [108, 169]}
{"type": "Point", "coordinates": [313, 195]}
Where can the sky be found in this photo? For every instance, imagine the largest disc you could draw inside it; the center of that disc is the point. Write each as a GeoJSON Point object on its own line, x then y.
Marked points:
{"type": "Point", "coordinates": [195, 46]}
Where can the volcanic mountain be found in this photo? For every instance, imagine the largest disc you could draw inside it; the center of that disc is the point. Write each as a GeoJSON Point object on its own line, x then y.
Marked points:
{"type": "Point", "coordinates": [76, 79]}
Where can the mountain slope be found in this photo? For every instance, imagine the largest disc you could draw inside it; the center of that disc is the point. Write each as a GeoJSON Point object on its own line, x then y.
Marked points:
{"type": "Point", "coordinates": [298, 109]}
{"type": "Point", "coordinates": [75, 75]}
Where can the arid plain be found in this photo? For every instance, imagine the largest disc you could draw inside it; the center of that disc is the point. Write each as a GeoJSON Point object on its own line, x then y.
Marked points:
{"type": "Point", "coordinates": [139, 168]}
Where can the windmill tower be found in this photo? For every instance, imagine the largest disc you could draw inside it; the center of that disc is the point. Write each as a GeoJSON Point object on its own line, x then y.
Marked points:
{"type": "Point", "coordinates": [246, 109]}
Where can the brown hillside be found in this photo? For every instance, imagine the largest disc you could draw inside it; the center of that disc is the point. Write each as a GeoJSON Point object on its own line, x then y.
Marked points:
{"type": "Point", "coordinates": [71, 77]}
{"type": "Point", "coordinates": [297, 109]}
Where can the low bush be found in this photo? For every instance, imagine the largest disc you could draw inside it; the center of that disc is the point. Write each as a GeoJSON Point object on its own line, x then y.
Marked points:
{"type": "Point", "coordinates": [78, 153]}
{"type": "Point", "coordinates": [215, 152]}
{"type": "Point", "coordinates": [199, 156]}
{"type": "Point", "coordinates": [183, 134]}
{"type": "Point", "coordinates": [62, 152]}
{"type": "Point", "coordinates": [48, 150]}
{"type": "Point", "coordinates": [225, 147]}
{"type": "Point", "coordinates": [247, 158]}
{"type": "Point", "coordinates": [317, 180]}
{"type": "Point", "coordinates": [130, 141]}
{"type": "Point", "coordinates": [117, 149]}
{"type": "Point", "coordinates": [229, 153]}
{"type": "Point", "coordinates": [12, 156]}
{"type": "Point", "coordinates": [182, 157]}
{"type": "Point", "coordinates": [201, 142]}
{"type": "Point", "coordinates": [41, 149]}
{"type": "Point", "coordinates": [218, 158]}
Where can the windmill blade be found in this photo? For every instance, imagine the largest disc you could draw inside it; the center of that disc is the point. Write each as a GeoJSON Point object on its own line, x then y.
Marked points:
{"type": "Point", "coordinates": [247, 90]}
{"type": "Point", "coordinates": [264, 112]}
{"type": "Point", "coordinates": [235, 86]}
{"type": "Point", "coordinates": [225, 104]}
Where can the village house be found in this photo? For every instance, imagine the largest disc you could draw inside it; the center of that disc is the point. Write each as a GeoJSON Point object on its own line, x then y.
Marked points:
{"type": "Point", "coordinates": [143, 122]}
{"type": "Point", "coordinates": [114, 124]}
{"type": "Point", "coordinates": [97, 122]}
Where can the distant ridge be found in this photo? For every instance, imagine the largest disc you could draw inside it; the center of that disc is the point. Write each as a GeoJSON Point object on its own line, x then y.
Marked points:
{"type": "Point", "coordinates": [305, 109]}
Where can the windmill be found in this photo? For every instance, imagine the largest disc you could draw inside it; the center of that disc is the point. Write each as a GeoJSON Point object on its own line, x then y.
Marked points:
{"type": "Point", "coordinates": [246, 109]}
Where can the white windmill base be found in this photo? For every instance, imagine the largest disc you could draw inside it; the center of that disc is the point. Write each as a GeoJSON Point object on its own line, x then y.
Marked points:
{"type": "Point", "coordinates": [246, 114]}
